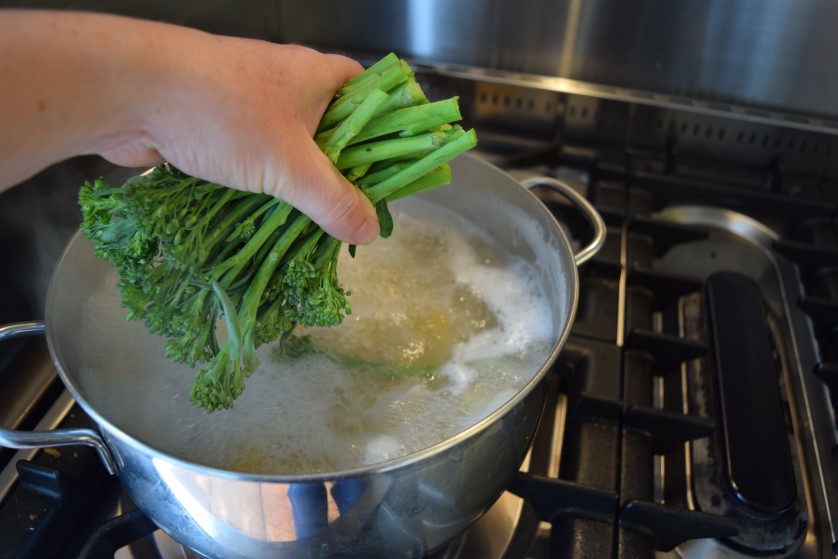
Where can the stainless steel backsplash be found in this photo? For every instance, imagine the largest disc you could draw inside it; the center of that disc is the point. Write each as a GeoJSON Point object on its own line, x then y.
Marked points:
{"type": "Point", "coordinates": [771, 54]}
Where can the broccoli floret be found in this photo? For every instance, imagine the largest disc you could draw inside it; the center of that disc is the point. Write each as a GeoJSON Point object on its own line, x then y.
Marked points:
{"type": "Point", "coordinates": [322, 301]}
{"type": "Point", "coordinates": [191, 252]}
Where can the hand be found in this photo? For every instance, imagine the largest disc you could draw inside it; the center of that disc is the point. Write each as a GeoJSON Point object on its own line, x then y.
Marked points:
{"type": "Point", "coordinates": [243, 114]}
{"type": "Point", "coordinates": [234, 111]}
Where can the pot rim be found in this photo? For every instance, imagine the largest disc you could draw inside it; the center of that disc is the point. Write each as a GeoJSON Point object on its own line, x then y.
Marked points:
{"type": "Point", "coordinates": [109, 430]}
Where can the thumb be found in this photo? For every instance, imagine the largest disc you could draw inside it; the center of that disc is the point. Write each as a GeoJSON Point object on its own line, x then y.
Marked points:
{"type": "Point", "coordinates": [332, 202]}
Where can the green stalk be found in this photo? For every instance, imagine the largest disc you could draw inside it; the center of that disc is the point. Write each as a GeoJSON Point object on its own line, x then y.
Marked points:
{"type": "Point", "coordinates": [356, 172]}
{"type": "Point", "coordinates": [352, 125]}
{"type": "Point", "coordinates": [239, 353]}
{"type": "Point", "coordinates": [343, 106]}
{"type": "Point", "coordinates": [269, 244]}
{"type": "Point", "coordinates": [372, 73]}
{"type": "Point", "coordinates": [305, 243]}
{"type": "Point", "coordinates": [422, 166]}
{"type": "Point", "coordinates": [326, 251]}
{"type": "Point", "coordinates": [379, 175]}
{"type": "Point", "coordinates": [436, 178]}
{"type": "Point", "coordinates": [206, 215]}
{"type": "Point", "coordinates": [253, 217]}
{"type": "Point", "coordinates": [411, 120]}
{"type": "Point", "coordinates": [238, 261]}
{"type": "Point", "coordinates": [220, 231]}
{"type": "Point", "coordinates": [305, 246]}
{"type": "Point", "coordinates": [406, 94]}
{"type": "Point", "coordinates": [231, 318]}
{"type": "Point", "coordinates": [389, 149]}
{"type": "Point", "coordinates": [253, 295]}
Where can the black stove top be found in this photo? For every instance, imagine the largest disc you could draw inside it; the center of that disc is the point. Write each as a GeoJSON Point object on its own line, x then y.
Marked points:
{"type": "Point", "coordinates": [691, 412]}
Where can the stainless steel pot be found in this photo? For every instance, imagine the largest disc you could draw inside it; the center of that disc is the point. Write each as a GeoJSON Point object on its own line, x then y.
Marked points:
{"type": "Point", "coordinates": [405, 507]}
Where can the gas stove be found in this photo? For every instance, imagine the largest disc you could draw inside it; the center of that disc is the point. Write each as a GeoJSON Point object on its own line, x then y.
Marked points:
{"type": "Point", "coordinates": [692, 412]}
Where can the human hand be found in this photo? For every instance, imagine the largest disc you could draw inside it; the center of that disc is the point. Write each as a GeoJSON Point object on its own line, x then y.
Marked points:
{"type": "Point", "coordinates": [243, 114]}
{"type": "Point", "coordinates": [238, 112]}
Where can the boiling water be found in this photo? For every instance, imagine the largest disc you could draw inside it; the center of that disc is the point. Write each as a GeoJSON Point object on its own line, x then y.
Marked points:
{"type": "Point", "coordinates": [444, 329]}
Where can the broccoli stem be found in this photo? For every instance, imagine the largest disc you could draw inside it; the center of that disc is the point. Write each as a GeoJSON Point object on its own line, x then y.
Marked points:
{"type": "Point", "coordinates": [406, 94]}
{"type": "Point", "coordinates": [201, 248]}
{"type": "Point", "coordinates": [242, 210]}
{"type": "Point", "coordinates": [343, 106]}
{"type": "Point", "coordinates": [411, 120]}
{"type": "Point", "coordinates": [253, 295]}
{"type": "Point", "coordinates": [370, 74]}
{"type": "Point", "coordinates": [327, 252]}
{"type": "Point", "coordinates": [240, 229]}
{"type": "Point", "coordinates": [268, 245]}
{"type": "Point", "coordinates": [352, 125]}
{"type": "Point", "coordinates": [228, 270]}
{"type": "Point", "coordinates": [422, 166]}
{"type": "Point", "coordinates": [222, 381]}
{"type": "Point", "coordinates": [305, 246]}
{"type": "Point", "coordinates": [389, 149]}
{"type": "Point", "coordinates": [438, 177]}
{"type": "Point", "coordinates": [356, 172]}
{"type": "Point", "coordinates": [380, 172]}
{"type": "Point", "coordinates": [388, 118]}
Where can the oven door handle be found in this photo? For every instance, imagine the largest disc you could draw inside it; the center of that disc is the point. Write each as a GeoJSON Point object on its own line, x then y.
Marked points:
{"type": "Point", "coordinates": [581, 204]}
{"type": "Point", "coordinates": [59, 437]}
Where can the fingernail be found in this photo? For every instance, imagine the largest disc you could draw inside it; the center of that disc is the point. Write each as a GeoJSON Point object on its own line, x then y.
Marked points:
{"type": "Point", "coordinates": [366, 233]}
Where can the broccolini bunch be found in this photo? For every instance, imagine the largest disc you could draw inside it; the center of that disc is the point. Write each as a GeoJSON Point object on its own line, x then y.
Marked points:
{"type": "Point", "coordinates": [190, 252]}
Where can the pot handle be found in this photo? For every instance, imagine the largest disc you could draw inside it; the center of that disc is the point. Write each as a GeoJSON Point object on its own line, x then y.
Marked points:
{"type": "Point", "coordinates": [583, 206]}
{"type": "Point", "coordinates": [59, 437]}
